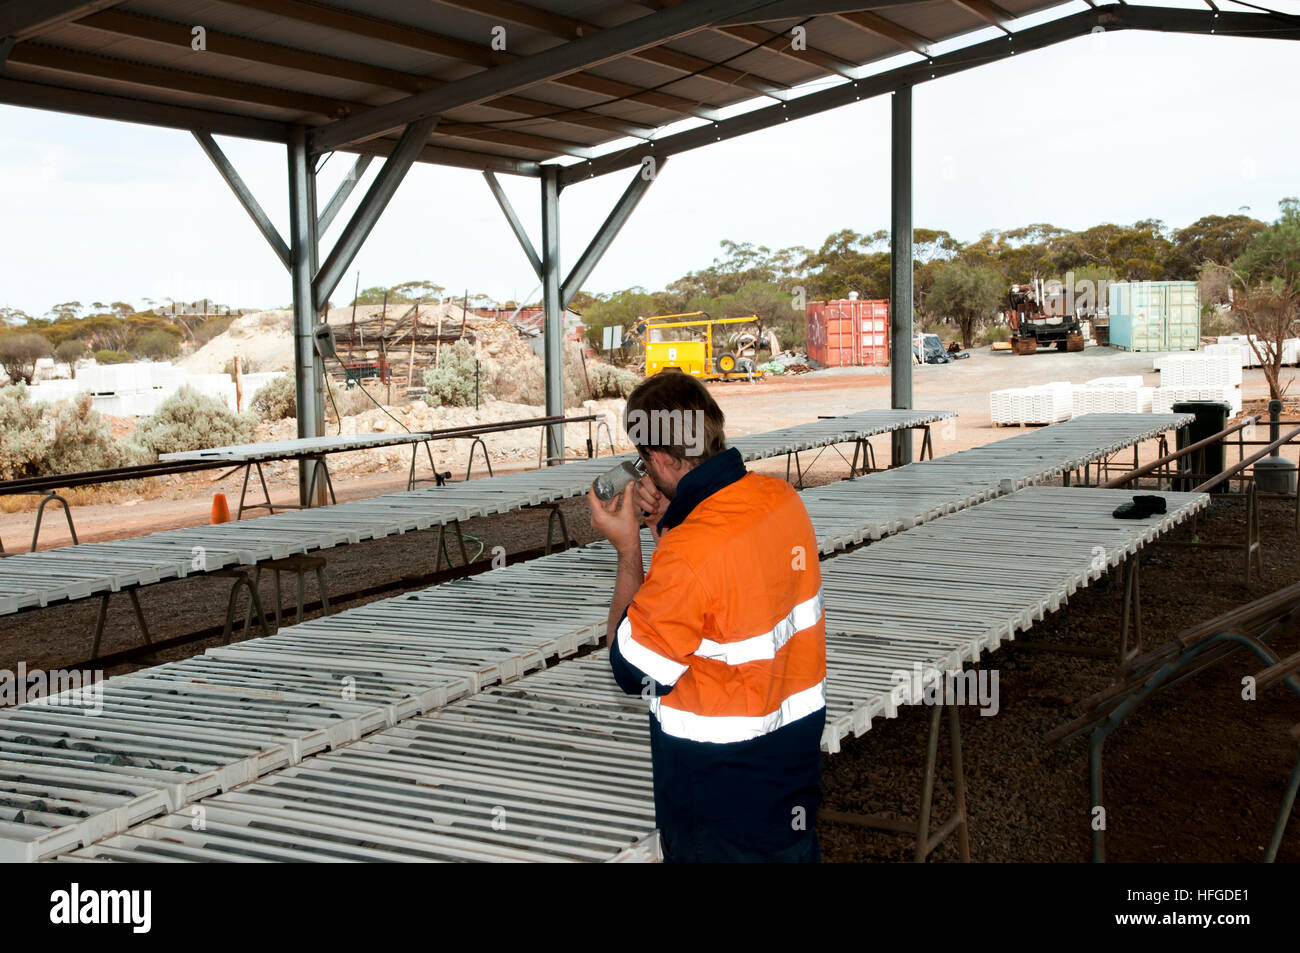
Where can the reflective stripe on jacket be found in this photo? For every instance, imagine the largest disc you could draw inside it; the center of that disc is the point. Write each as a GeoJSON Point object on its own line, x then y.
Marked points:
{"type": "Point", "coordinates": [730, 616]}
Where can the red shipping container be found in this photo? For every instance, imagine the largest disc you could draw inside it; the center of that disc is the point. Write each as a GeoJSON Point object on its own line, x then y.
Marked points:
{"type": "Point", "coordinates": [853, 332]}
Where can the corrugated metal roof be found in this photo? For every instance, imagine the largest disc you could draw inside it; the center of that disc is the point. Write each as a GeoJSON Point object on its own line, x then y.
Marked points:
{"type": "Point", "coordinates": [309, 62]}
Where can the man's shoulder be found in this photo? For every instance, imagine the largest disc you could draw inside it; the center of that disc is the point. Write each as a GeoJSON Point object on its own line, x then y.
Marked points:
{"type": "Point", "coordinates": [754, 490]}
{"type": "Point", "coordinates": [754, 507]}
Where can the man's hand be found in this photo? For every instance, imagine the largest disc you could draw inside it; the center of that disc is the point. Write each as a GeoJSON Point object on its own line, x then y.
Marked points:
{"type": "Point", "coordinates": [651, 503]}
{"type": "Point", "coordinates": [617, 520]}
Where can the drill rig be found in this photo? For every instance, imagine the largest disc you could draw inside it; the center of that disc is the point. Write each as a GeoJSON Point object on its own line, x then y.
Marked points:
{"type": "Point", "coordinates": [1039, 318]}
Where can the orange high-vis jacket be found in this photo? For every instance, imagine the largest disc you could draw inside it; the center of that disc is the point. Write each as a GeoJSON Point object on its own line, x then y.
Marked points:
{"type": "Point", "coordinates": [730, 616]}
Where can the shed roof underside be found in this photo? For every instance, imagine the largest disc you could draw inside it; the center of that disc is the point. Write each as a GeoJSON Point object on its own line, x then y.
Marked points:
{"type": "Point", "coordinates": [270, 64]}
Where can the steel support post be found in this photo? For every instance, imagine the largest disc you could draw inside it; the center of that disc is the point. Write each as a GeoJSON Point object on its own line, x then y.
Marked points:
{"type": "Point", "coordinates": [900, 268]}
{"type": "Point", "coordinates": [308, 370]}
{"type": "Point", "coordinates": [553, 328]}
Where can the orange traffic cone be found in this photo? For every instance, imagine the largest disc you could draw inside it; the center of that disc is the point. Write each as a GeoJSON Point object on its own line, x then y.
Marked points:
{"type": "Point", "coordinates": [220, 511]}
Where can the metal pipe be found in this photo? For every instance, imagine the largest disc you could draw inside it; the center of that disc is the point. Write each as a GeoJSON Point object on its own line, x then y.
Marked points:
{"type": "Point", "coordinates": [1237, 468]}
{"type": "Point", "coordinates": [1126, 478]}
{"type": "Point", "coordinates": [308, 370]}
{"type": "Point", "coordinates": [900, 268]}
{"type": "Point", "coordinates": [552, 310]}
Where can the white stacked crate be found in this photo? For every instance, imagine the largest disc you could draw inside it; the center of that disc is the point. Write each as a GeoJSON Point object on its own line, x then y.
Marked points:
{"type": "Point", "coordinates": [1165, 397]}
{"type": "Point", "coordinates": [1112, 395]}
{"type": "Point", "coordinates": [1237, 346]}
{"type": "Point", "coordinates": [1198, 370]}
{"type": "Point", "coordinates": [1040, 404]}
{"type": "Point", "coordinates": [1198, 377]}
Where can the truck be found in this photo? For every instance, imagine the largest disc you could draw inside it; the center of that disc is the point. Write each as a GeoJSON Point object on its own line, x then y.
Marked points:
{"type": "Point", "coordinates": [1039, 318]}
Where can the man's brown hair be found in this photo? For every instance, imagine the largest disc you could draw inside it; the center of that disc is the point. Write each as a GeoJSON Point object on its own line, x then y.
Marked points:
{"type": "Point", "coordinates": [675, 413]}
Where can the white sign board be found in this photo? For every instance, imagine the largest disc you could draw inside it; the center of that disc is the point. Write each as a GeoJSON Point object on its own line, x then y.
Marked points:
{"type": "Point", "coordinates": [613, 337]}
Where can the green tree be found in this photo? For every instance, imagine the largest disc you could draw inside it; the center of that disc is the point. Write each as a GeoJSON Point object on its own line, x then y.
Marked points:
{"type": "Point", "coordinates": [419, 290]}
{"type": "Point", "coordinates": [1221, 239]}
{"type": "Point", "coordinates": [159, 344]}
{"type": "Point", "coordinates": [70, 351]}
{"type": "Point", "coordinates": [967, 295]}
{"type": "Point", "coordinates": [67, 310]}
{"type": "Point", "coordinates": [622, 309]}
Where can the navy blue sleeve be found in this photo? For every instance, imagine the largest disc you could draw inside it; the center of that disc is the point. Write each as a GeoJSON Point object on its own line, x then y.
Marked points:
{"type": "Point", "coordinates": [630, 678]}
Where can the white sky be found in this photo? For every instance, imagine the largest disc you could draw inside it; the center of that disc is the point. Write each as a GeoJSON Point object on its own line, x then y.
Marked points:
{"type": "Point", "coordinates": [1117, 127]}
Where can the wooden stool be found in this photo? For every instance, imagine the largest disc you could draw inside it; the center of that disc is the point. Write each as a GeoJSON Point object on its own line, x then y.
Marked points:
{"type": "Point", "coordinates": [299, 566]}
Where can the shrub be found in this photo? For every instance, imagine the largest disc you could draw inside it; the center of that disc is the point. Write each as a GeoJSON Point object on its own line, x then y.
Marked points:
{"type": "Point", "coordinates": [37, 439]}
{"type": "Point", "coordinates": [158, 345]}
{"type": "Point", "coordinates": [451, 384]}
{"type": "Point", "coordinates": [23, 436]}
{"type": "Point", "coordinates": [212, 328]}
{"type": "Point", "coordinates": [83, 440]}
{"type": "Point", "coordinates": [246, 366]}
{"type": "Point", "coordinates": [106, 356]}
{"type": "Point", "coordinates": [995, 332]}
{"type": "Point", "coordinates": [70, 351]}
{"type": "Point", "coordinates": [351, 401]}
{"type": "Point", "coordinates": [276, 400]}
{"type": "Point", "coordinates": [19, 353]}
{"type": "Point", "coordinates": [188, 420]}
{"type": "Point", "coordinates": [519, 383]}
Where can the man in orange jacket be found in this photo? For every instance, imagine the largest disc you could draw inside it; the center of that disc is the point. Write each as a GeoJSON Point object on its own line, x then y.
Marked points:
{"type": "Point", "coordinates": [724, 635]}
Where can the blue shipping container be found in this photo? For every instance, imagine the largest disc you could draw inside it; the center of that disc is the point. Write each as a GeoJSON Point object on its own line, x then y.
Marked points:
{"type": "Point", "coordinates": [1155, 315]}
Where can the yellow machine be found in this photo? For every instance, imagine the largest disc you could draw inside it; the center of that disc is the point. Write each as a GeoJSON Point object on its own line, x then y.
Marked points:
{"type": "Point", "coordinates": [687, 346]}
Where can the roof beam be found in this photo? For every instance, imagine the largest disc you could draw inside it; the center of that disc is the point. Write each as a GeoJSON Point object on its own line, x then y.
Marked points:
{"type": "Point", "coordinates": [34, 95]}
{"type": "Point", "coordinates": [388, 31]}
{"type": "Point", "coordinates": [65, 60]}
{"type": "Point", "coordinates": [881, 26]}
{"type": "Point", "coordinates": [75, 61]}
{"type": "Point", "coordinates": [571, 28]}
{"type": "Point", "coordinates": [171, 33]}
{"type": "Point", "coordinates": [523, 138]}
{"type": "Point", "coordinates": [376, 199]}
{"type": "Point", "coordinates": [24, 18]}
{"type": "Point", "coordinates": [456, 157]}
{"type": "Point", "coordinates": [779, 43]}
{"type": "Point", "coordinates": [426, 41]}
{"type": "Point", "coordinates": [990, 12]}
{"type": "Point", "coordinates": [801, 9]}
{"type": "Point", "coordinates": [1111, 18]}
{"type": "Point", "coordinates": [542, 67]}
{"type": "Point", "coordinates": [245, 196]}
